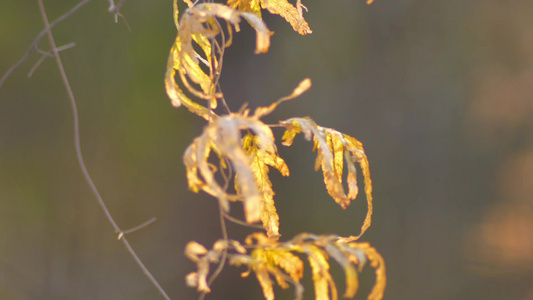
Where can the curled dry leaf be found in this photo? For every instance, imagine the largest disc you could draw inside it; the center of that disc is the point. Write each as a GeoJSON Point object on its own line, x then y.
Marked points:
{"type": "Point", "coordinates": [333, 149]}
{"type": "Point", "coordinates": [292, 14]}
{"type": "Point", "coordinates": [352, 281]}
{"type": "Point", "coordinates": [302, 87]}
{"type": "Point", "coordinates": [272, 258]}
{"type": "Point", "coordinates": [198, 254]}
{"type": "Point", "coordinates": [376, 262]}
{"type": "Point", "coordinates": [203, 258]}
{"type": "Point", "coordinates": [259, 162]}
{"type": "Point", "coordinates": [223, 136]}
{"type": "Point", "coordinates": [318, 260]}
{"type": "Point", "coordinates": [199, 25]}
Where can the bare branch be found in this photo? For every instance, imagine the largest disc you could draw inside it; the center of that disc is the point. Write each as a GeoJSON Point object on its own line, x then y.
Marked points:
{"type": "Point", "coordinates": [137, 227]}
{"type": "Point", "coordinates": [37, 64]}
{"type": "Point", "coordinates": [36, 41]}
{"type": "Point", "coordinates": [79, 156]}
{"type": "Point", "coordinates": [47, 54]}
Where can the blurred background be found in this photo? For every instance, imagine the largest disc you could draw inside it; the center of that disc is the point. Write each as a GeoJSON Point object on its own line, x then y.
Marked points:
{"type": "Point", "coordinates": [439, 92]}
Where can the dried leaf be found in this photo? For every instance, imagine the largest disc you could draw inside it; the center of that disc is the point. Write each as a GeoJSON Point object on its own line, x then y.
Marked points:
{"type": "Point", "coordinates": [376, 262]}
{"type": "Point", "coordinates": [270, 257]}
{"type": "Point", "coordinates": [260, 160]}
{"type": "Point", "coordinates": [352, 281]}
{"type": "Point", "coordinates": [198, 25]}
{"type": "Point", "coordinates": [261, 272]}
{"type": "Point", "coordinates": [198, 254]}
{"type": "Point", "coordinates": [302, 87]}
{"type": "Point", "coordinates": [291, 14]}
{"type": "Point", "coordinates": [223, 137]}
{"type": "Point", "coordinates": [252, 6]}
{"type": "Point", "coordinates": [333, 149]}
{"type": "Point", "coordinates": [273, 258]}
{"type": "Point", "coordinates": [358, 155]}
{"type": "Point", "coordinates": [318, 260]}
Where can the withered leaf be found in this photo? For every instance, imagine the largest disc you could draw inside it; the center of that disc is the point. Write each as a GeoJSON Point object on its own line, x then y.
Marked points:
{"type": "Point", "coordinates": [198, 254]}
{"type": "Point", "coordinates": [199, 25]}
{"type": "Point", "coordinates": [270, 257]}
{"type": "Point", "coordinates": [302, 87]}
{"type": "Point", "coordinates": [259, 162]}
{"type": "Point", "coordinates": [318, 260]}
{"type": "Point", "coordinates": [333, 149]}
{"type": "Point", "coordinates": [376, 262]}
{"type": "Point", "coordinates": [292, 14]}
{"type": "Point", "coordinates": [224, 138]}
{"type": "Point", "coordinates": [252, 6]}
{"type": "Point", "coordinates": [273, 258]}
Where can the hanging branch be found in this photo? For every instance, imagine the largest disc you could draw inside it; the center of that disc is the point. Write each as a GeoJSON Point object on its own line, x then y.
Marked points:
{"type": "Point", "coordinates": [81, 162]}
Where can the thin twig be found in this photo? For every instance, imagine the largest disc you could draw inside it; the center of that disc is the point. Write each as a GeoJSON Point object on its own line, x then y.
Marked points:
{"type": "Point", "coordinates": [46, 54]}
{"type": "Point", "coordinates": [33, 46]}
{"type": "Point", "coordinates": [37, 64]}
{"type": "Point", "coordinates": [79, 156]}
{"type": "Point", "coordinates": [67, 46]}
{"type": "Point", "coordinates": [242, 223]}
{"type": "Point", "coordinates": [136, 227]}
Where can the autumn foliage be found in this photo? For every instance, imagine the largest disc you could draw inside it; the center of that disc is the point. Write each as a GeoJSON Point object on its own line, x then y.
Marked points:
{"type": "Point", "coordinates": [238, 148]}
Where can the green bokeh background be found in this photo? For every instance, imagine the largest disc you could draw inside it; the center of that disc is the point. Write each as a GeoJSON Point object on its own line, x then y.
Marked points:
{"type": "Point", "coordinates": [439, 92]}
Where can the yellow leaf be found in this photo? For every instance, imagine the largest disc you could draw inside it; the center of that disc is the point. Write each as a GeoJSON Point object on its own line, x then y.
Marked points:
{"type": "Point", "coordinates": [272, 258]}
{"type": "Point", "coordinates": [318, 260]}
{"type": "Point", "coordinates": [302, 87]}
{"type": "Point", "coordinates": [263, 277]}
{"type": "Point", "coordinates": [352, 281]}
{"type": "Point", "coordinates": [333, 149]}
{"type": "Point", "coordinates": [223, 136]}
{"type": "Point", "coordinates": [198, 254]}
{"type": "Point", "coordinates": [246, 5]}
{"type": "Point", "coordinates": [376, 262]}
{"type": "Point", "coordinates": [358, 155]}
{"type": "Point", "coordinates": [260, 160]}
{"type": "Point", "coordinates": [291, 14]}
{"type": "Point", "coordinates": [199, 26]}
{"type": "Point", "coordinates": [174, 92]}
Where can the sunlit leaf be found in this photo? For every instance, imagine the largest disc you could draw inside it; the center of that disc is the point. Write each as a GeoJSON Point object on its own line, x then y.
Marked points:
{"type": "Point", "coordinates": [289, 12]}
{"type": "Point", "coordinates": [352, 281]}
{"type": "Point", "coordinates": [333, 150]}
{"type": "Point", "coordinates": [198, 71]}
{"type": "Point", "coordinates": [302, 87]}
{"type": "Point", "coordinates": [223, 136]}
{"type": "Point", "coordinates": [199, 254]}
{"type": "Point", "coordinates": [260, 160]}
{"type": "Point", "coordinates": [376, 262]}
{"type": "Point", "coordinates": [274, 258]}
{"type": "Point", "coordinates": [292, 14]}
{"type": "Point", "coordinates": [323, 282]}
{"type": "Point", "coordinates": [252, 6]}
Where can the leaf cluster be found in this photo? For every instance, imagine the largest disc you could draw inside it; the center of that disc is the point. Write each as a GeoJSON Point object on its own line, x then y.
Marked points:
{"type": "Point", "coordinates": [238, 148]}
{"type": "Point", "coordinates": [268, 258]}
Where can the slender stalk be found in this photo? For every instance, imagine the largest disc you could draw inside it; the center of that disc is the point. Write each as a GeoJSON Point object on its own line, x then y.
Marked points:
{"type": "Point", "coordinates": [79, 155]}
